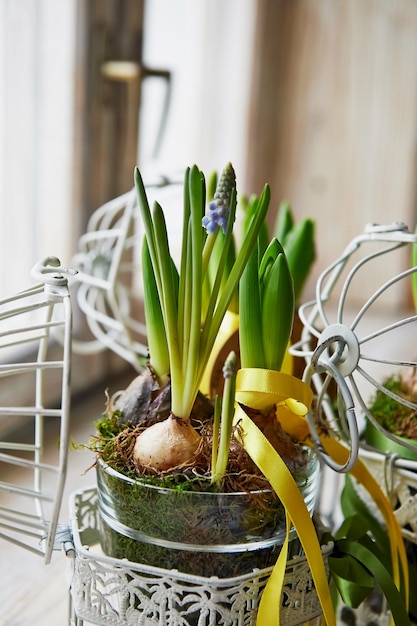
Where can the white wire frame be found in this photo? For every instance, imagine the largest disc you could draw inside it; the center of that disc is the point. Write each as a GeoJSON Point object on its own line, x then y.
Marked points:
{"type": "Point", "coordinates": [31, 485]}
{"type": "Point", "coordinates": [339, 344]}
{"type": "Point", "coordinates": [107, 294]}
{"type": "Point", "coordinates": [109, 287]}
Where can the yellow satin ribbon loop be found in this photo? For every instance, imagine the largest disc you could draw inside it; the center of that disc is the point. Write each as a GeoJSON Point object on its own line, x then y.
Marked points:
{"type": "Point", "coordinates": [283, 483]}
{"type": "Point", "coordinates": [260, 388]}
{"type": "Point", "coordinates": [298, 428]}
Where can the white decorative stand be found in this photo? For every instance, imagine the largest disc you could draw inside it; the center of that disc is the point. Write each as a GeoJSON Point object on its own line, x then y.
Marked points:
{"type": "Point", "coordinates": [112, 591]}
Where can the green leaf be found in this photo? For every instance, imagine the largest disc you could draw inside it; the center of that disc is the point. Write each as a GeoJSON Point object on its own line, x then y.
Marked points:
{"type": "Point", "coordinates": [148, 225]}
{"type": "Point", "coordinates": [211, 185]}
{"type": "Point", "coordinates": [194, 269]}
{"type": "Point", "coordinates": [221, 259]}
{"type": "Point", "coordinates": [277, 311]}
{"type": "Point", "coordinates": [284, 221]}
{"type": "Point", "coordinates": [354, 581]}
{"type": "Point", "coordinates": [250, 208]}
{"type": "Point", "coordinates": [382, 576]}
{"type": "Point", "coordinates": [169, 298]}
{"type": "Point", "coordinates": [183, 317]}
{"type": "Point", "coordinates": [354, 508]}
{"type": "Point", "coordinates": [250, 315]}
{"type": "Point", "coordinates": [157, 342]}
{"type": "Point", "coordinates": [299, 246]}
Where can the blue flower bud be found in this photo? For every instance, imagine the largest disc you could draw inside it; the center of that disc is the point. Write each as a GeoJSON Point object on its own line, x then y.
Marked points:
{"type": "Point", "coordinates": [219, 207]}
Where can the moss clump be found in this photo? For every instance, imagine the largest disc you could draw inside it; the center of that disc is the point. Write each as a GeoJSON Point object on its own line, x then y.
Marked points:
{"type": "Point", "coordinates": [109, 426]}
{"type": "Point", "coordinates": [391, 414]}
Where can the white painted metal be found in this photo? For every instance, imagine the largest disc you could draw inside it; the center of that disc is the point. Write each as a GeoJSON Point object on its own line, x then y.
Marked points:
{"type": "Point", "coordinates": [109, 287]}
{"type": "Point", "coordinates": [339, 344]}
{"type": "Point", "coordinates": [105, 590]}
{"type": "Point", "coordinates": [30, 358]}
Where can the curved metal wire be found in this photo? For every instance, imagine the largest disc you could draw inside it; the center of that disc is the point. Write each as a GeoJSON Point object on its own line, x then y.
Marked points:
{"type": "Point", "coordinates": [109, 290]}
{"type": "Point", "coordinates": [335, 335]}
{"type": "Point", "coordinates": [31, 362]}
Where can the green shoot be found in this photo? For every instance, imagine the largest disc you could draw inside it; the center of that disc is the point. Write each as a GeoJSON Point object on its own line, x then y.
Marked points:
{"type": "Point", "coordinates": [266, 307]}
{"type": "Point", "coordinates": [226, 420]}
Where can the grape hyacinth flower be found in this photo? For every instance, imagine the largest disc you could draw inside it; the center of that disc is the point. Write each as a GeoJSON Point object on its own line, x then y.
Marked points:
{"type": "Point", "coordinates": [219, 207]}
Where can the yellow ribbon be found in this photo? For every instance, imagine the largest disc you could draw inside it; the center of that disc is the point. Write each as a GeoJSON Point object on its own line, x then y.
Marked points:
{"type": "Point", "coordinates": [259, 389]}
{"type": "Point", "coordinates": [266, 388]}
{"type": "Point", "coordinates": [228, 328]}
{"type": "Point", "coordinates": [298, 428]}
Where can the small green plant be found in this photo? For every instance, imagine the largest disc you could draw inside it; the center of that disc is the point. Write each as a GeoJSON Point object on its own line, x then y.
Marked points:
{"type": "Point", "coordinates": [182, 325]}
{"type": "Point", "coordinates": [176, 298]}
{"type": "Point", "coordinates": [391, 414]}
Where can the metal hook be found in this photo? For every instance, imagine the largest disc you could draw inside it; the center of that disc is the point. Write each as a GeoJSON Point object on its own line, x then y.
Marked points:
{"type": "Point", "coordinates": [50, 272]}
{"type": "Point", "coordinates": [338, 365]}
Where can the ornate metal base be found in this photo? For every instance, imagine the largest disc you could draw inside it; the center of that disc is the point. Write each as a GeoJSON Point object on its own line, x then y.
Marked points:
{"type": "Point", "coordinates": [112, 591]}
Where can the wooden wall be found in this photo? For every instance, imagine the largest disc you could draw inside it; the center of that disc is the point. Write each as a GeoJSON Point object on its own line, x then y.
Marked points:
{"type": "Point", "coordinates": [333, 122]}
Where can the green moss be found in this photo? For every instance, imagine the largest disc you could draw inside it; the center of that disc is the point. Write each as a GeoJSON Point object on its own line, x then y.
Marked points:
{"type": "Point", "coordinates": [188, 517]}
{"type": "Point", "coordinates": [109, 426]}
{"type": "Point", "coordinates": [388, 411]}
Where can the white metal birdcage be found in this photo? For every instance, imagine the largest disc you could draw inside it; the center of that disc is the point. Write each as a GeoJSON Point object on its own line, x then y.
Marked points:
{"type": "Point", "coordinates": [31, 360]}
{"type": "Point", "coordinates": [359, 342]}
{"type": "Point", "coordinates": [109, 288]}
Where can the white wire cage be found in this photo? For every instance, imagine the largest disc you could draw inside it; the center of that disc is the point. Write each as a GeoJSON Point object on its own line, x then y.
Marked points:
{"type": "Point", "coordinates": [32, 362]}
{"type": "Point", "coordinates": [359, 342]}
{"type": "Point", "coordinates": [109, 287]}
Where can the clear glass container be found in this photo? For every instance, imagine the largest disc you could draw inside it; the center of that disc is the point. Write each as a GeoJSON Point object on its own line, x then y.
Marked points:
{"type": "Point", "coordinates": [199, 532]}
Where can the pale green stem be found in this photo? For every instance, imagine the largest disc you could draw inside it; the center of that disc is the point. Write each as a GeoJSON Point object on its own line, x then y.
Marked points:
{"type": "Point", "coordinates": [191, 359]}
{"type": "Point", "coordinates": [215, 290]}
{"type": "Point", "coordinates": [216, 430]}
{"type": "Point", "coordinates": [227, 413]}
{"type": "Point", "coordinates": [208, 249]}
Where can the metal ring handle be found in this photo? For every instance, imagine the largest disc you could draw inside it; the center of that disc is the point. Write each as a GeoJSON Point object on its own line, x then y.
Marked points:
{"type": "Point", "coordinates": [322, 362]}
